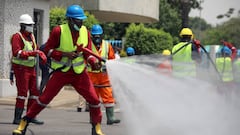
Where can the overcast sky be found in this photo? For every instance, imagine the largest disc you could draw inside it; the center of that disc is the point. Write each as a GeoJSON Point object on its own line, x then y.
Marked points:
{"type": "Point", "coordinates": [212, 8]}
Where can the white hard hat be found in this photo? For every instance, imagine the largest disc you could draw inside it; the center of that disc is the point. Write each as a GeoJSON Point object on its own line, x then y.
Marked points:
{"type": "Point", "coordinates": [26, 19]}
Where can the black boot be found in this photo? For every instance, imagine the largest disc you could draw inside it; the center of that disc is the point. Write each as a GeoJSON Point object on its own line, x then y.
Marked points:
{"type": "Point", "coordinates": [17, 115]}
{"type": "Point", "coordinates": [22, 127]}
{"type": "Point", "coordinates": [110, 116]}
{"type": "Point", "coordinates": [36, 121]}
{"type": "Point", "coordinates": [96, 129]}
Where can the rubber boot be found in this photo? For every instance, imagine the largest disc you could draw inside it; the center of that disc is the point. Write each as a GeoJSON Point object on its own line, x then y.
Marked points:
{"type": "Point", "coordinates": [17, 115]}
{"type": "Point", "coordinates": [96, 129]}
{"type": "Point", "coordinates": [87, 107]}
{"type": "Point", "coordinates": [110, 116]}
{"type": "Point", "coordinates": [37, 122]}
{"type": "Point", "coordinates": [22, 127]}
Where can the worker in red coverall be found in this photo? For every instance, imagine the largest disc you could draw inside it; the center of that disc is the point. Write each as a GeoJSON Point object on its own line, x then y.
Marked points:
{"type": "Point", "coordinates": [24, 52]}
{"type": "Point", "coordinates": [65, 47]}
{"type": "Point", "coordinates": [232, 48]}
{"type": "Point", "coordinates": [165, 67]}
{"type": "Point", "coordinates": [100, 77]}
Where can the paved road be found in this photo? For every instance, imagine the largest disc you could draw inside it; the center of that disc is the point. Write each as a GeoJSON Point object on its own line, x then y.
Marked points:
{"type": "Point", "coordinates": [58, 121]}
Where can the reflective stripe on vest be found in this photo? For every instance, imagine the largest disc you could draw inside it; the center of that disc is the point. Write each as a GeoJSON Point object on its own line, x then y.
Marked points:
{"type": "Point", "coordinates": [66, 45]}
{"type": "Point", "coordinates": [224, 67]}
{"type": "Point", "coordinates": [182, 63]}
{"type": "Point", "coordinates": [236, 74]}
{"type": "Point", "coordinates": [30, 62]}
{"type": "Point", "coordinates": [104, 55]}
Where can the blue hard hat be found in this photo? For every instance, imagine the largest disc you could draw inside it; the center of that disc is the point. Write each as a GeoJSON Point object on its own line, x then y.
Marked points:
{"type": "Point", "coordinates": [130, 51]}
{"type": "Point", "coordinates": [226, 50]}
{"type": "Point", "coordinates": [75, 11]}
{"type": "Point", "coordinates": [96, 30]}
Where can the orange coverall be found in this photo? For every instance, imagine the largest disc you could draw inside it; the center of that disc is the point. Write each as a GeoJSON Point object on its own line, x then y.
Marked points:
{"type": "Point", "coordinates": [101, 80]}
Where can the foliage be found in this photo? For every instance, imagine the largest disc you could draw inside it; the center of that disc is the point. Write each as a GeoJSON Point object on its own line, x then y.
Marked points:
{"type": "Point", "coordinates": [147, 40]}
{"type": "Point", "coordinates": [57, 17]}
{"type": "Point", "coordinates": [114, 30]}
{"type": "Point", "coordinates": [183, 7]}
{"type": "Point", "coordinates": [228, 14]}
{"type": "Point", "coordinates": [228, 31]}
{"type": "Point", "coordinates": [198, 25]}
{"type": "Point", "coordinates": [168, 19]}
{"type": "Point", "coordinates": [123, 53]}
{"type": "Point", "coordinates": [91, 20]}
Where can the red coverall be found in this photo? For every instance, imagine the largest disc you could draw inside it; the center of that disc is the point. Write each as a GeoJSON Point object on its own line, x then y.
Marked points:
{"type": "Point", "coordinates": [232, 47]}
{"type": "Point", "coordinates": [165, 67]}
{"type": "Point", "coordinates": [25, 76]}
{"type": "Point", "coordinates": [101, 80]}
{"type": "Point", "coordinates": [81, 82]}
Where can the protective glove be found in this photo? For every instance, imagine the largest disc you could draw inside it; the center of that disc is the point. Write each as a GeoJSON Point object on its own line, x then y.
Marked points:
{"type": "Point", "coordinates": [70, 55]}
{"type": "Point", "coordinates": [197, 43]}
{"type": "Point", "coordinates": [28, 53]}
{"type": "Point", "coordinates": [80, 48]}
{"type": "Point", "coordinates": [42, 56]}
{"type": "Point", "coordinates": [94, 63]}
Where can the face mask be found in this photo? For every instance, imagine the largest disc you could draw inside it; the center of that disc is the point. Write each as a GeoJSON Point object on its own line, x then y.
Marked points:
{"type": "Point", "coordinates": [29, 29]}
{"type": "Point", "coordinates": [97, 41]}
{"type": "Point", "coordinates": [76, 27]}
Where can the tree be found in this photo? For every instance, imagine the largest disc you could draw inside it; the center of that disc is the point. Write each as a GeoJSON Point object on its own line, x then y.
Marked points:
{"type": "Point", "coordinates": [228, 31]}
{"type": "Point", "coordinates": [183, 7]}
{"type": "Point", "coordinates": [114, 30]}
{"type": "Point", "coordinates": [168, 19]}
{"type": "Point", "coordinates": [228, 14]}
{"type": "Point", "coordinates": [198, 25]}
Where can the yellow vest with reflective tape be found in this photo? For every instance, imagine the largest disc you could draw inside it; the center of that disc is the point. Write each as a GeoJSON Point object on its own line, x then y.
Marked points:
{"type": "Point", "coordinates": [224, 67]}
{"type": "Point", "coordinates": [30, 62]}
{"type": "Point", "coordinates": [66, 45]}
{"type": "Point", "coordinates": [236, 74]}
{"type": "Point", "coordinates": [182, 63]}
{"type": "Point", "coordinates": [104, 55]}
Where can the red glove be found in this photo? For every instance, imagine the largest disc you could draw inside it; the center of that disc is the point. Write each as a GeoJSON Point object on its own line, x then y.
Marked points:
{"type": "Point", "coordinates": [26, 54]}
{"type": "Point", "coordinates": [197, 43]}
{"type": "Point", "coordinates": [94, 63]}
{"type": "Point", "coordinates": [80, 48]}
{"type": "Point", "coordinates": [42, 56]}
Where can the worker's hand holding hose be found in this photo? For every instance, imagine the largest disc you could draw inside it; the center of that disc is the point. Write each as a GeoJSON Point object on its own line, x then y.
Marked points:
{"type": "Point", "coordinates": [94, 63]}
{"type": "Point", "coordinates": [70, 55]}
{"type": "Point", "coordinates": [80, 48]}
{"type": "Point", "coordinates": [26, 54]}
{"type": "Point", "coordinates": [42, 56]}
{"type": "Point", "coordinates": [197, 43]}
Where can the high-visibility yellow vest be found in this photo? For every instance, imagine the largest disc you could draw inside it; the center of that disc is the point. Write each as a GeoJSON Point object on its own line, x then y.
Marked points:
{"type": "Point", "coordinates": [224, 67]}
{"type": "Point", "coordinates": [182, 63]}
{"type": "Point", "coordinates": [236, 68]}
{"type": "Point", "coordinates": [104, 55]}
{"type": "Point", "coordinates": [31, 61]}
{"type": "Point", "coordinates": [66, 45]}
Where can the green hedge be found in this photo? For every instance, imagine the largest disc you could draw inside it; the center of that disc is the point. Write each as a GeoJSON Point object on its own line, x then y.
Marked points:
{"type": "Point", "coordinates": [147, 40]}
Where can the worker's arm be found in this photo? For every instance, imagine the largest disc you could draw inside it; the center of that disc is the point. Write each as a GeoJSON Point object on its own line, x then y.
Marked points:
{"type": "Point", "coordinates": [232, 47]}
{"type": "Point", "coordinates": [196, 53]}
